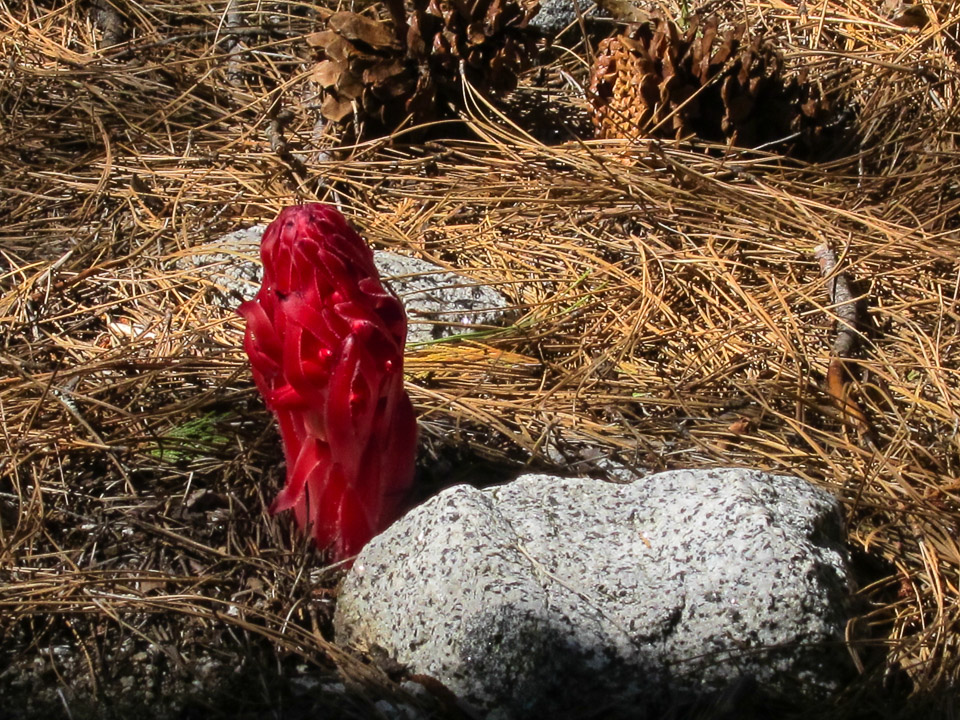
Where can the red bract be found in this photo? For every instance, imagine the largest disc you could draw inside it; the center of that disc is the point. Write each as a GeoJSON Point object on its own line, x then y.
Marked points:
{"type": "Point", "coordinates": [325, 342]}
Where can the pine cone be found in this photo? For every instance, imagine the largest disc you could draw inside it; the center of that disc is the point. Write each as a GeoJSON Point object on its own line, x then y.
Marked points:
{"type": "Point", "coordinates": [413, 66]}
{"type": "Point", "coordinates": [653, 80]}
{"type": "Point", "coordinates": [363, 63]}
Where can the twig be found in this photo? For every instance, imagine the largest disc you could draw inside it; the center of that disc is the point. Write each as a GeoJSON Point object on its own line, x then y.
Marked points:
{"type": "Point", "coordinates": [841, 299]}
{"type": "Point", "coordinates": [278, 143]}
{"type": "Point", "coordinates": [846, 344]}
{"type": "Point", "coordinates": [234, 45]}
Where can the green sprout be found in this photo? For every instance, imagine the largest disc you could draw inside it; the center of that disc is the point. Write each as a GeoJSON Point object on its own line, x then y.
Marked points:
{"type": "Point", "coordinates": [193, 439]}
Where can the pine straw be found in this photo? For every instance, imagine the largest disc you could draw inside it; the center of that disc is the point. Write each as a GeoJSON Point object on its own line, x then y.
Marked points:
{"type": "Point", "coordinates": [671, 314]}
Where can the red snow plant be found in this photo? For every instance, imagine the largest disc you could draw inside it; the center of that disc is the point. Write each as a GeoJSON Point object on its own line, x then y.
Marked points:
{"type": "Point", "coordinates": [325, 342]}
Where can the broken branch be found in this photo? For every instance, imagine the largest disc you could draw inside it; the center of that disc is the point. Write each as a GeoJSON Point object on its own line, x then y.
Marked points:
{"type": "Point", "coordinates": [846, 343]}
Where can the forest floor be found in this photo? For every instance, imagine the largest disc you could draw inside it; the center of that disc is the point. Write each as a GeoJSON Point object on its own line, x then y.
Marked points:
{"type": "Point", "coordinates": [670, 313]}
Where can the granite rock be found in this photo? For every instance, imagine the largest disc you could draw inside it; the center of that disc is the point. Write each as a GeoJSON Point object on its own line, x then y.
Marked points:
{"type": "Point", "coordinates": [556, 15]}
{"type": "Point", "coordinates": [439, 303]}
{"type": "Point", "coordinates": [569, 597]}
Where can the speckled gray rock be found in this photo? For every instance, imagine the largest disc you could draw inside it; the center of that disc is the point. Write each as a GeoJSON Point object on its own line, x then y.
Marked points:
{"type": "Point", "coordinates": [439, 303]}
{"type": "Point", "coordinates": [553, 597]}
{"type": "Point", "coordinates": [556, 15]}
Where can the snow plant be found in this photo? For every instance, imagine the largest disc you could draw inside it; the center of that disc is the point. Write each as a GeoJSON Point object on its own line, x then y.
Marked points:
{"type": "Point", "coordinates": [325, 341]}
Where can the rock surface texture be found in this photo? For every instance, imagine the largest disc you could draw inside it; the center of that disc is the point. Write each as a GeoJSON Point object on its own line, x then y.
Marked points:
{"type": "Point", "coordinates": [439, 303]}
{"type": "Point", "coordinates": [573, 597]}
{"type": "Point", "coordinates": [556, 15]}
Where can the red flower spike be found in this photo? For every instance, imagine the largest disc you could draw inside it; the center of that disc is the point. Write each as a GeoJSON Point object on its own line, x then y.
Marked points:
{"type": "Point", "coordinates": [325, 342]}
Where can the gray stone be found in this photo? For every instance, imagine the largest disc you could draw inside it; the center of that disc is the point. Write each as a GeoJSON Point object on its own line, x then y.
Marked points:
{"type": "Point", "coordinates": [439, 303]}
{"type": "Point", "coordinates": [232, 264]}
{"type": "Point", "coordinates": [556, 15]}
{"type": "Point", "coordinates": [565, 597]}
